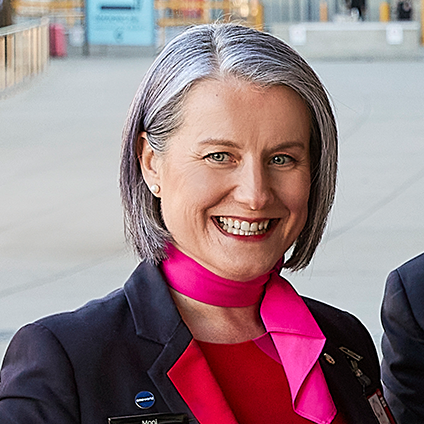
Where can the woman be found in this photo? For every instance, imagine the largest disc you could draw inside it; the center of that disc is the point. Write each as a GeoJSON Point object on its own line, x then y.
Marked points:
{"type": "Point", "coordinates": [228, 163]}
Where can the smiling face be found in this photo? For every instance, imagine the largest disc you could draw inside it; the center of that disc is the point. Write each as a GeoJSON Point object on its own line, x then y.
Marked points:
{"type": "Point", "coordinates": [235, 180]}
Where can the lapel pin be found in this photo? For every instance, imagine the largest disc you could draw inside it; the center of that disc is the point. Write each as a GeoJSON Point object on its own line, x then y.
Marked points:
{"type": "Point", "coordinates": [329, 359]}
{"type": "Point", "coordinates": [144, 399]}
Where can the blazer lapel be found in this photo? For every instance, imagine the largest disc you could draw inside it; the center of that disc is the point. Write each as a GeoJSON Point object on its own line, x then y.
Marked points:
{"type": "Point", "coordinates": [180, 372]}
{"type": "Point", "coordinates": [157, 319]}
{"type": "Point", "coordinates": [194, 381]}
{"type": "Point", "coordinates": [163, 363]}
{"type": "Point", "coordinates": [348, 394]}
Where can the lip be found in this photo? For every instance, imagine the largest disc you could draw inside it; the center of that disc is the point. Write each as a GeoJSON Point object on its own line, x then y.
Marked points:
{"type": "Point", "coordinates": [271, 226]}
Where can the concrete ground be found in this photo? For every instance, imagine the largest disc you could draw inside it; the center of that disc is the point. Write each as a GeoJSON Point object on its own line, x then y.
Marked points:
{"type": "Point", "coordinates": [61, 240]}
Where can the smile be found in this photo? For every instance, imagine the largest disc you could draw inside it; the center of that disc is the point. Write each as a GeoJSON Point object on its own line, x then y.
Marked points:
{"type": "Point", "coordinates": [243, 228]}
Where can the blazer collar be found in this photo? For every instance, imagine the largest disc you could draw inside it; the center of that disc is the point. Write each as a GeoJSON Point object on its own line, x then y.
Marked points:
{"type": "Point", "coordinates": [156, 318]}
{"type": "Point", "coordinates": [155, 315]}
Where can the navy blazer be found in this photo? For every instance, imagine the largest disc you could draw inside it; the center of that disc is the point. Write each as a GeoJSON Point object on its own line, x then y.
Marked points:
{"type": "Point", "coordinates": [402, 315]}
{"type": "Point", "coordinates": [87, 365]}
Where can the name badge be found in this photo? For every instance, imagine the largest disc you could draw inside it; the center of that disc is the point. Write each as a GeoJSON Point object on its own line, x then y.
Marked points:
{"type": "Point", "coordinates": [380, 408]}
{"type": "Point", "coordinates": [161, 418]}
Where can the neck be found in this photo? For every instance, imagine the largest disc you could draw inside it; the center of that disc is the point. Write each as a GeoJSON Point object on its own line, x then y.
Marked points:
{"type": "Point", "coordinates": [219, 324]}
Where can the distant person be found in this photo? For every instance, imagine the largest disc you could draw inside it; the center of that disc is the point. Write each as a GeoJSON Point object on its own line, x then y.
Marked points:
{"type": "Point", "coordinates": [5, 13]}
{"type": "Point", "coordinates": [358, 7]}
{"type": "Point", "coordinates": [228, 174]}
{"type": "Point", "coordinates": [404, 10]}
{"type": "Point", "coordinates": [403, 342]}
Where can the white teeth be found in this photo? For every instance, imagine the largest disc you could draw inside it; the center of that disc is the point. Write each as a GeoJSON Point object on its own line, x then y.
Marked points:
{"type": "Point", "coordinates": [243, 228]}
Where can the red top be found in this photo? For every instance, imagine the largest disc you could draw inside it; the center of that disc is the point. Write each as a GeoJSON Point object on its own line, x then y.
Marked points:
{"type": "Point", "coordinates": [254, 385]}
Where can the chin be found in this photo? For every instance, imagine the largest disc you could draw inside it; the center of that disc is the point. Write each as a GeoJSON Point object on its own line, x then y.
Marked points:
{"type": "Point", "coordinates": [245, 271]}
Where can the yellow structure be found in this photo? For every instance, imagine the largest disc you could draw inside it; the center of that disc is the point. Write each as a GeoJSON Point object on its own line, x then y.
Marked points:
{"type": "Point", "coordinates": [70, 11]}
{"type": "Point", "coordinates": [422, 22]}
{"type": "Point", "coordinates": [323, 11]}
{"type": "Point", "coordinates": [172, 13]}
{"type": "Point", "coordinates": [384, 11]}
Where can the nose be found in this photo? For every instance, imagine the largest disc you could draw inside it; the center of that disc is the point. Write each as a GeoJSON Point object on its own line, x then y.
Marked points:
{"type": "Point", "coordinates": [253, 186]}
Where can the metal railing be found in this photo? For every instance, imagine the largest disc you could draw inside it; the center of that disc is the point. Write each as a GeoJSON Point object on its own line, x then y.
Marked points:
{"type": "Point", "coordinates": [67, 12]}
{"type": "Point", "coordinates": [24, 52]}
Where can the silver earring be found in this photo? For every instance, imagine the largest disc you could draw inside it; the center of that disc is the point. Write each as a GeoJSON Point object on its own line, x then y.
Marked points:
{"type": "Point", "coordinates": [155, 189]}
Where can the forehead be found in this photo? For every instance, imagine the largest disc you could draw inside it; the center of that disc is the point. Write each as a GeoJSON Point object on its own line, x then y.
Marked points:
{"type": "Point", "coordinates": [236, 106]}
{"type": "Point", "coordinates": [238, 88]}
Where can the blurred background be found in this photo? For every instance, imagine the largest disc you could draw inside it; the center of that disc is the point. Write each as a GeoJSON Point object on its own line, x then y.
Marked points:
{"type": "Point", "coordinates": [68, 72]}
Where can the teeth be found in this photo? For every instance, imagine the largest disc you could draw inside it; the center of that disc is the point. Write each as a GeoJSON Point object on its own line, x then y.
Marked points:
{"type": "Point", "coordinates": [243, 228]}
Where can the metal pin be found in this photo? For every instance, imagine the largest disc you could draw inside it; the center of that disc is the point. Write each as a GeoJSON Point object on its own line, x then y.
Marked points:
{"type": "Point", "coordinates": [329, 359]}
{"type": "Point", "coordinates": [353, 355]}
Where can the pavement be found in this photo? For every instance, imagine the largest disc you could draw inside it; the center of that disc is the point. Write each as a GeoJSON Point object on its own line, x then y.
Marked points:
{"type": "Point", "coordinates": [61, 238]}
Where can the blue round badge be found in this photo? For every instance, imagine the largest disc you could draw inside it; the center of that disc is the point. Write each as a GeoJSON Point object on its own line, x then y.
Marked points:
{"type": "Point", "coordinates": [144, 400]}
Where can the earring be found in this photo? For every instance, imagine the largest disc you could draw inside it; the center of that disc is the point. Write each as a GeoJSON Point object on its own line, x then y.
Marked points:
{"type": "Point", "coordinates": [155, 189]}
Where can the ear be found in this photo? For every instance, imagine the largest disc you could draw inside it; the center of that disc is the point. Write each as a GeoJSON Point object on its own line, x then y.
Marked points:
{"type": "Point", "coordinates": [148, 160]}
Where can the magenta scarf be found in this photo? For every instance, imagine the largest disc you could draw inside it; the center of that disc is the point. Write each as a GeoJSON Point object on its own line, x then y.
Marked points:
{"type": "Point", "coordinates": [296, 336]}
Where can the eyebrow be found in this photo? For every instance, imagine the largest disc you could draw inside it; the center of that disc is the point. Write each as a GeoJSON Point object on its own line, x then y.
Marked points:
{"type": "Point", "coordinates": [227, 143]}
{"type": "Point", "coordinates": [218, 141]}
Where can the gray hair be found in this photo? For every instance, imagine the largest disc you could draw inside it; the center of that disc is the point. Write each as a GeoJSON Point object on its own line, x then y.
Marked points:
{"type": "Point", "coordinates": [218, 51]}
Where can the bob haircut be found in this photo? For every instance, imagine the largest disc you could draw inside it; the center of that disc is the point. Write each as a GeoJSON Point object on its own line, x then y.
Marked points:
{"type": "Point", "coordinates": [219, 51]}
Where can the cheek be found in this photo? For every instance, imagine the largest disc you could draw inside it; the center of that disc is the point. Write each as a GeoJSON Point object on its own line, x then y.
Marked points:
{"type": "Point", "coordinates": [297, 193]}
{"type": "Point", "coordinates": [184, 209]}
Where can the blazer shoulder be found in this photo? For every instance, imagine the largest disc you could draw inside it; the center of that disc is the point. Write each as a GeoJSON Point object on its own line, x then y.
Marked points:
{"type": "Point", "coordinates": [343, 329]}
{"type": "Point", "coordinates": [410, 275]}
{"type": "Point", "coordinates": [332, 319]}
{"type": "Point", "coordinates": [404, 293]}
{"type": "Point", "coordinates": [100, 317]}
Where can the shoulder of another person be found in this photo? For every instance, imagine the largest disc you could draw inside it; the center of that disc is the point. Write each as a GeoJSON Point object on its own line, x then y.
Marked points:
{"type": "Point", "coordinates": [411, 274]}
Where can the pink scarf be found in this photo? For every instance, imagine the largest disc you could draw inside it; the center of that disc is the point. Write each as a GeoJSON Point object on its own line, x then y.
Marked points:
{"type": "Point", "coordinates": [296, 336]}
